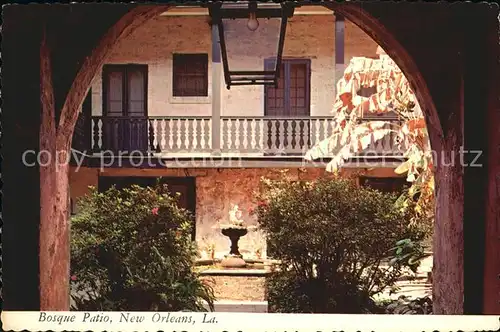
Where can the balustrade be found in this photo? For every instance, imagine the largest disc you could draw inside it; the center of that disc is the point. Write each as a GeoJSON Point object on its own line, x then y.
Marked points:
{"type": "Point", "coordinates": [261, 135]}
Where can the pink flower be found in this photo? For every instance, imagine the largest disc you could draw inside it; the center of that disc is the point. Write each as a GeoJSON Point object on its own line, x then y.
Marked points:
{"type": "Point", "coordinates": [73, 278]}
{"type": "Point", "coordinates": [155, 211]}
{"type": "Point", "coordinates": [262, 203]}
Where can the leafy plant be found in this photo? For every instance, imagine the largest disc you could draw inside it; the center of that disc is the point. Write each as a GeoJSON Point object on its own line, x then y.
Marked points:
{"type": "Point", "coordinates": [408, 253]}
{"type": "Point", "coordinates": [406, 306]}
{"type": "Point", "coordinates": [132, 250]}
{"type": "Point", "coordinates": [358, 123]}
{"type": "Point", "coordinates": [334, 240]}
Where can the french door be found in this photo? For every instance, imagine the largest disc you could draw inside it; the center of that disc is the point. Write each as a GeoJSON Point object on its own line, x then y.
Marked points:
{"type": "Point", "coordinates": [287, 107]}
{"type": "Point", "coordinates": [125, 124]}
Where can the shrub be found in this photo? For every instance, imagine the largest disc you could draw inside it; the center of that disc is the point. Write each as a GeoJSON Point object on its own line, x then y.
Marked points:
{"type": "Point", "coordinates": [336, 242]}
{"type": "Point", "coordinates": [132, 250]}
{"type": "Point", "coordinates": [406, 306]}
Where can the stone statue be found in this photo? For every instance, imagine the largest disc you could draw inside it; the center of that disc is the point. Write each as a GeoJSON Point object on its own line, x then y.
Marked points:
{"type": "Point", "coordinates": [235, 216]}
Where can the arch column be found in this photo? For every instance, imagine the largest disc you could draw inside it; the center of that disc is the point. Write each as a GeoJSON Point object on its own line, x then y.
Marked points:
{"type": "Point", "coordinates": [56, 139]}
{"type": "Point", "coordinates": [447, 137]}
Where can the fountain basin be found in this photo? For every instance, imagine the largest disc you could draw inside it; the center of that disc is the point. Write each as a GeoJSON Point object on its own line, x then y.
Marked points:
{"type": "Point", "coordinates": [234, 259]}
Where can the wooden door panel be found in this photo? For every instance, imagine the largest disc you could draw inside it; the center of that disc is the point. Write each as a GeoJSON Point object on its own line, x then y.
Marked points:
{"type": "Point", "coordinates": [275, 96]}
{"type": "Point", "coordinates": [298, 90]}
{"type": "Point", "coordinates": [125, 126]}
{"type": "Point", "coordinates": [290, 99]}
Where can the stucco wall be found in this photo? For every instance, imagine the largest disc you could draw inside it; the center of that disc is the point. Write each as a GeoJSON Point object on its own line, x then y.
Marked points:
{"type": "Point", "coordinates": [216, 191]}
{"type": "Point", "coordinates": [309, 37]}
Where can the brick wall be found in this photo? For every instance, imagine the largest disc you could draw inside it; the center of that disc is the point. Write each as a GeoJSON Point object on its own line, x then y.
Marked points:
{"type": "Point", "coordinates": [216, 191]}
{"type": "Point", "coordinates": [307, 37]}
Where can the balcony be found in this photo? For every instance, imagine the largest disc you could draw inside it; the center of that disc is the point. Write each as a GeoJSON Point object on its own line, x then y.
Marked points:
{"type": "Point", "coordinates": [249, 137]}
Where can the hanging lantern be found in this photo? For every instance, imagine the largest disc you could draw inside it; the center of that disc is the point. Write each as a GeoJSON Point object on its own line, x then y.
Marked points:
{"type": "Point", "coordinates": [249, 32]}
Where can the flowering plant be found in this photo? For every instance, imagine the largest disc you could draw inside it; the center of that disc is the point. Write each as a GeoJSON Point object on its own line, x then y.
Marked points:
{"type": "Point", "coordinates": [361, 121]}
{"type": "Point", "coordinates": [132, 250]}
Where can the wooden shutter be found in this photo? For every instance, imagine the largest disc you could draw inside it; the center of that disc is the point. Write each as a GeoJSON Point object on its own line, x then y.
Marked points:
{"type": "Point", "coordinates": [299, 89]}
{"type": "Point", "coordinates": [292, 96]}
{"type": "Point", "coordinates": [125, 106]}
{"type": "Point", "coordinates": [190, 75]}
{"type": "Point", "coordinates": [125, 90]}
{"type": "Point", "coordinates": [113, 90]}
{"type": "Point", "coordinates": [136, 90]}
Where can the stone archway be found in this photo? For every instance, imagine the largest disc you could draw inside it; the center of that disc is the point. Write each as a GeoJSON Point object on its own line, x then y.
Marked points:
{"type": "Point", "coordinates": [448, 283]}
{"type": "Point", "coordinates": [56, 139]}
{"type": "Point", "coordinates": [54, 230]}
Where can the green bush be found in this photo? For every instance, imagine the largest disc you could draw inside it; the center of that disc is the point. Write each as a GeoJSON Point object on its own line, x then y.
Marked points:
{"type": "Point", "coordinates": [407, 306]}
{"type": "Point", "coordinates": [336, 242]}
{"type": "Point", "coordinates": [132, 250]}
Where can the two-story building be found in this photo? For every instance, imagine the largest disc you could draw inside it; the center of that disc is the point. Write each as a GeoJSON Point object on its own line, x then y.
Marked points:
{"type": "Point", "coordinates": [160, 108]}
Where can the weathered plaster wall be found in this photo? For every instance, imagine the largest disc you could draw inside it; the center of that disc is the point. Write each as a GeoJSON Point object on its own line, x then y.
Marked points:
{"type": "Point", "coordinates": [309, 37]}
{"type": "Point", "coordinates": [216, 191]}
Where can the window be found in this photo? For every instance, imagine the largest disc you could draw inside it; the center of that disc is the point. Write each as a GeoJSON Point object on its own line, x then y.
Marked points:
{"type": "Point", "coordinates": [125, 90]}
{"type": "Point", "coordinates": [387, 185]}
{"type": "Point", "coordinates": [291, 97]}
{"type": "Point", "coordinates": [190, 75]}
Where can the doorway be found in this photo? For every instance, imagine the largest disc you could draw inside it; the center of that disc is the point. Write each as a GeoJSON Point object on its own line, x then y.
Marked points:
{"type": "Point", "coordinates": [125, 123]}
{"type": "Point", "coordinates": [287, 108]}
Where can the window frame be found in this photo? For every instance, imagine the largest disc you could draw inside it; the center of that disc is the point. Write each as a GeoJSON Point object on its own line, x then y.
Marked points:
{"type": "Point", "coordinates": [201, 56]}
{"type": "Point", "coordinates": [125, 93]}
{"type": "Point", "coordinates": [286, 62]}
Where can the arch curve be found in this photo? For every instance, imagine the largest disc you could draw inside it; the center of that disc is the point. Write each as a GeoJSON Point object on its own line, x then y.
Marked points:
{"type": "Point", "coordinates": [372, 27]}
{"type": "Point", "coordinates": [376, 30]}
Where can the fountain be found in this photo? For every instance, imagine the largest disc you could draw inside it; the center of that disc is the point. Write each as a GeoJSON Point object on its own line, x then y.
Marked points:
{"type": "Point", "coordinates": [234, 230]}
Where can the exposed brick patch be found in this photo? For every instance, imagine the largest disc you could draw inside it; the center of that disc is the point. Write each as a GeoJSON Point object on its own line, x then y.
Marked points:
{"type": "Point", "coordinates": [239, 288]}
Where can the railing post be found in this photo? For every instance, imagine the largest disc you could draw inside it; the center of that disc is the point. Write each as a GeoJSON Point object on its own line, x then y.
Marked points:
{"type": "Point", "coordinates": [216, 91]}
